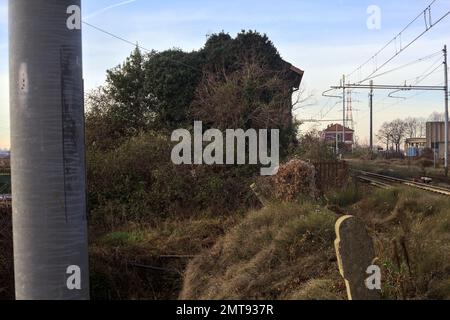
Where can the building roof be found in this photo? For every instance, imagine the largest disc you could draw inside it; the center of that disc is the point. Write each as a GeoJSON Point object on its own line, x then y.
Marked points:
{"type": "Point", "coordinates": [297, 74]}
{"type": "Point", "coordinates": [300, 72]}
{"type": "Point", "coordinates": [337, 127]}
{"type": "Point", "coordinates": [419, 139]}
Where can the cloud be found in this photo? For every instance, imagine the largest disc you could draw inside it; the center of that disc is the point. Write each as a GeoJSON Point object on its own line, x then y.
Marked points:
{"type": "Point", "coordinates": [96, 13]}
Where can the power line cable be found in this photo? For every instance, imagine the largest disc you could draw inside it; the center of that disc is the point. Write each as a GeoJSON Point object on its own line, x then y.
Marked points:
{"type": "Point", "coordinates": [393, 40]}
{"type": "Point", "coordinates": [135, 44]}
{"type": "Point", "coordinates": [418, 79]}
{"type": "Point", "coordinates": [402, 101]}
{"type": "Point", "coordinates": [407, 65]}
{"type": "Point", "coordinates": [429, 24]}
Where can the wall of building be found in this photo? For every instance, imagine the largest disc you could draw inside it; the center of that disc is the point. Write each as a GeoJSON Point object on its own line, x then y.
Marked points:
{"type": "Point", "coordinates": [331, 136]}
{"type": "Point", "coordinates": [436, 137]}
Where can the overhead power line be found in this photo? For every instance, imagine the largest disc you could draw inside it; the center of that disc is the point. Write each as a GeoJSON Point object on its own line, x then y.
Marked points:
{"type": "Point", "coordinates": [135, 44]}
{"type": "Point", "coordinates": [418, 79]}
{"type": "Point", "coordinates": [426, 13]}
{"type": "Point", "coordinates": [407, 65]}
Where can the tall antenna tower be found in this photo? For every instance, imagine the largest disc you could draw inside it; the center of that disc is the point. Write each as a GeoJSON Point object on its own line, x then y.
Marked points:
{"type": "Point", "coordinates": [349, 111]}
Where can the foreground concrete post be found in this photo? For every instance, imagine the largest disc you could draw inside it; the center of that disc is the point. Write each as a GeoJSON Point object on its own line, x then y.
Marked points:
{"type": "Point", "coordinates": [355, 254]}
{"type": "Point", "coordinates": [47, 143]}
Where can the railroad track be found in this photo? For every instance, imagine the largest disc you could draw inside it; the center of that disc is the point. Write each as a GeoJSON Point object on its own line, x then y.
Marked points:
{"type": "Point", "coordinates": [385, 182]}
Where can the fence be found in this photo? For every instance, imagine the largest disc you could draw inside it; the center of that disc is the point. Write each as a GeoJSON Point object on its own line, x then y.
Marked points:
{"type": "Point", "coordinates": [331, 174]}
{"type": "Point", "coordinates": [5, 183]}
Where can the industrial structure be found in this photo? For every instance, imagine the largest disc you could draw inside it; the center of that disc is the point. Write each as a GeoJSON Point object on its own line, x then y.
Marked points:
{"type": "Point", "coordinates": [415, 146]}
{"type": "Point", "coordinates": [435, 139]}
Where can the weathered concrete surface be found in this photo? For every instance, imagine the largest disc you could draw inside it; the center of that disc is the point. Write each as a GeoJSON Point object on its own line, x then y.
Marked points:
{"type": "Point", "coordinates": [355, 254]}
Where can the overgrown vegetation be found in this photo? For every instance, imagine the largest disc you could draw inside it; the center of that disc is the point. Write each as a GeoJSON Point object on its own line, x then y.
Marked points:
{"type": "Point", "coordinates": [406, 169]}
{"type": "Point", "coordinates": [281, 252]}
{"type": "Point", "coordinates": [147, 261]}
{"type": "Point", "coordinates": [238, 83]}
{"type": "Point", "coordinates": [6, 254]}
{"type": "Point", "coordinates": [411, 232]}
{"type": "Point", "coordinates": [312, 147]}
{"type": "Point", "coordinates": [346, 196]}
{"type": "Point", "coordinates": [137, 182]}
{"type": "Point", "coordinates": [141, 205]}
{"type": "Point", "coordinates": [286, 251]}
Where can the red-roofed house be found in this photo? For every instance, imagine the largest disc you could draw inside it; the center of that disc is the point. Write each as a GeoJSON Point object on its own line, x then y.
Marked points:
{"type": "Point", "coordinates": [334, 131]}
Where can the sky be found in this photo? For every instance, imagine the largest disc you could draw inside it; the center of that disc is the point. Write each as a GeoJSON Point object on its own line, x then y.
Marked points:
{"type": "Point", "coordinates": [325, 38]}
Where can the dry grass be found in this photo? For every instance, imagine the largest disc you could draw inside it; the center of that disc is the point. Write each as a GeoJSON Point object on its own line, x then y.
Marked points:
{"type": "Point", "coordinates": [132, 263]}
{"type": "Point", "coordinates": [400, 168]}
{"type": "Point", "coordinates": [274, 253]}
{"type": "Point", "coordinates": [284, 251]}
{"type": "Point", "coordinates": [412, 232]}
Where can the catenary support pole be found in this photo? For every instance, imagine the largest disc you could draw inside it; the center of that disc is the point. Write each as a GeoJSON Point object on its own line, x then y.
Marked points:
{"type": "Point", "coordinates": [47, 143]}
{"type": "Point", "coordinates": [446, 108]}
{"type": "Point", "coordinates": [343, 114]}
{"type": "Point", "coordinates": [371, 115]}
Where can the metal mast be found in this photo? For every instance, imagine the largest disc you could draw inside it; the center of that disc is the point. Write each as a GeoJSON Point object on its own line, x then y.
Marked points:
{"type": "Point", "coordinates": [446, 108]}
{"type": "Point", "coordinates": [343, 113]}
{"type": "Point", "coordinates": [371, 115]}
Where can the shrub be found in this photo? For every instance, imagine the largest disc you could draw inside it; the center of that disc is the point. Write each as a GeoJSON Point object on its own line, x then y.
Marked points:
{"type": "Point", "coordinates": [147, 261]}
{"type": "Point", "coordinates": [313, 148]}
{"type": "Point", "coordinates": [6, 254]}
{"type": "Point", "coordinates": [346, 196]}
{"type": "Point", "coordinates": [426, 163]}
{"type": "Point", "coordinates": [427, 153]}
{"type": "Point", "coordinates": [138, 182]}
{"type": "Point", "coordinates": [413, 244]}
{"type": "Point", "coordinates": [295, 181]}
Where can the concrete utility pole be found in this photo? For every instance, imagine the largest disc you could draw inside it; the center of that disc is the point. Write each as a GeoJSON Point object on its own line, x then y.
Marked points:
{"type": "Point", "coordinates": [446, 108]}
{"type": "Point", "coordinates": [47, 143]}
{"type": "Point", "coordinates": [371, 115]}
{"type": "Point", "coordinates": [373, 87]}
{"type": "Point", "coordinates": [343, 113]}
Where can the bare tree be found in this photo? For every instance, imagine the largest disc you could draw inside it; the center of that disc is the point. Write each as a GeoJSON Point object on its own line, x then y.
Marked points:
{"type": "Point", "coordinates": [393, 133]}
{"type": "Point", "coordinates": [252, 96]}
{"type": "Point", "coordinates": [384, 135]}
{"type": "Point", "coordinates": [421, 127]}
{"type": "Point", "coordinates": [436, 116]}
{"type": "Point", "coordinates": [411, 127]}
{"type": "Point", "coordinates": [303, 98]}
{"type": "Point", "coordinates": [398, 132]}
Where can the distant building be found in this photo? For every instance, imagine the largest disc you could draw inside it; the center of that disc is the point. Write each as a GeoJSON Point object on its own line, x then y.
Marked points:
{"type": "Point", "coordinates": [436, 137]}
{"type": "Point", "coordinates": [4, 154]}
{"type": "Point", "coordinates": [415, 146]}
{"type": "Point", "coordinates": [335, 133]}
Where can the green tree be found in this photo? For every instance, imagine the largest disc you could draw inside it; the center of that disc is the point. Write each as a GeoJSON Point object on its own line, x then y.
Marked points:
{"type": "Point", "coordinates": [172, 76]}
{"type": "Point", "coordinates": [244, 77]}
{"type": "Point", "coordinates": [131, 104]}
